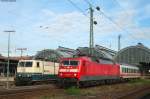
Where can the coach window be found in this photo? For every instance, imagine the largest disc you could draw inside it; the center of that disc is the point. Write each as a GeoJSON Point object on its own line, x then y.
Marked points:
{"type": "Point", "coordinates": [28, 64]}
{"type": "Point", "coordinates": [125, 70]}
{"type": "Point", "coordinates": [38, 64]}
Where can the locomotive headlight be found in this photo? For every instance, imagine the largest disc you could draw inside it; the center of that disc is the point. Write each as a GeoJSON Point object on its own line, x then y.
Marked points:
{"type": "Point", "coordinates": [75, 74]}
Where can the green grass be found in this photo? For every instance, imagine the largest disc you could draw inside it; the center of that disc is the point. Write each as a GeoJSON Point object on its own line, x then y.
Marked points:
{"type": "Point", "coordinates": [73, 91]}
{"type": "Point", "coordinates": [140, 81]}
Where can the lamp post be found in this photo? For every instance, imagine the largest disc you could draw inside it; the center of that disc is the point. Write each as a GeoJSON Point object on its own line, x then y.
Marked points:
{"type": "Point", "coordinates": [8, 31]}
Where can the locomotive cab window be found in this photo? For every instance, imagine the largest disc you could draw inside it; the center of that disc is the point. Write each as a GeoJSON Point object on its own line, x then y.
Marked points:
{"type": "Point", "coordinates": [74, 63]}
{"type": "Point", "coordinates": [70, 63]}
{"type": "Point", "coordinates": [65, 63]}
{"type": "Point", "coordinates": [21, 64]}
{"type": "Point", "coordinates": [28, 64]}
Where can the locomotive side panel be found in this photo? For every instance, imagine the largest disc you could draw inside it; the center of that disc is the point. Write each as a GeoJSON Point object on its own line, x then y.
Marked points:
{"type": "Point", "coordinates": [97, 71]}
{"type": "Point", "coordinates": [29, 71]}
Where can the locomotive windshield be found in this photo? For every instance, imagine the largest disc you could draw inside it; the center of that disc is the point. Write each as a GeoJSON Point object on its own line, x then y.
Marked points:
{"type": "Point", "coordinates": [71, 63]}
{"type": "Point", "coordinates": [25, 64]}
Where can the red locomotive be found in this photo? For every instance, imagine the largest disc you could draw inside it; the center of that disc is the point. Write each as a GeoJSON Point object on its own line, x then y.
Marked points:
{"type": "Point", "coordinates": [86, 71]}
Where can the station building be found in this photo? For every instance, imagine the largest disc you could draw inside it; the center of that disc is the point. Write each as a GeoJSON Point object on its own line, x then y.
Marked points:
{"type": "Point", "coordinates": [138, 55]}
{"type": "Point", "coordinates": [13, 62]}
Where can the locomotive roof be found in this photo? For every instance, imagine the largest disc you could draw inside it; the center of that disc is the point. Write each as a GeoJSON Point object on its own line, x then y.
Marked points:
{"type": "Point", "coordinates": [74, 58]}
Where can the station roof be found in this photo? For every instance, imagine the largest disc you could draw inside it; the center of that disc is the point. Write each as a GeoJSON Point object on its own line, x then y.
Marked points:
{"type": "Point", "coordinates": [62, 52]}
{"type": "Point", "coordinates": [54, 55]}
{"type": "Point", "coordinates": [98, 51]}
{"type": "Point", "coordinates": [133, 55]}
{"type": "Point", "coordinates": [2, 58]}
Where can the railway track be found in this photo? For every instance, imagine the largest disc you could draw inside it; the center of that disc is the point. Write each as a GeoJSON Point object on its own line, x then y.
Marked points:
{"type": "Point", "coordinates": [36, 91]}
{"type": "Point", "coordinates": [136, 94]}
{"type": "Point", "coordinates": [23, 90]}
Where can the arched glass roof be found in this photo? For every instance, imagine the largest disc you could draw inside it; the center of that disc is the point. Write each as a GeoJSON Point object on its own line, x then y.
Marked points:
{"type": "Point", "coordinates": [54, 55]}
{"type": "Point", "coordinates": [133, 55]}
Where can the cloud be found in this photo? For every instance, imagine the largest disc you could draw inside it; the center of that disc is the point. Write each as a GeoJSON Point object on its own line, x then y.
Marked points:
{"type": "Point", "coordinates": [64, 25]}
{"type": "Point", "coordinates": [141, 33]}
{"type": "Point", "coordinates": [73, 25]}
{"type": "Point", "coordinates": [48, 28]}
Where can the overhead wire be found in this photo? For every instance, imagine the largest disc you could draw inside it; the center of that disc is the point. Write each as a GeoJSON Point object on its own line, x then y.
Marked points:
{"type": "Point", "coordinates": [77, 7]}
{"type": "Point", "coordinates": [92, 6]}
{"type": "Point", "coordinates": [88, 3]}
{"type": "Point", "coordinates": [117, 24]}
{"type": "Point", "coordinates": [112, 21]}
{"type": "Point", "coordinates": [125, 13]}
{"type": "Point", "coordinates": [120, 6]}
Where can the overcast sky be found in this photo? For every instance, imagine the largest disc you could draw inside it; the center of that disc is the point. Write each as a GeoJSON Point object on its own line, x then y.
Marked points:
{"type": "Point", "coordinates": [47, 24]}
